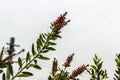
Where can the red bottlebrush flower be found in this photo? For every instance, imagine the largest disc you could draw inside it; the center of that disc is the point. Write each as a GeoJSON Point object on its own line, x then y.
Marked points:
{"type": "Point", "coordinates": [54, 66]}
{"type": "Point", "coordinates": [78, 71]}
{"type": "Point", "coordinates": [68, 60]}
{"type": "Point", "coordinates": [61, 19]}
{"type": "Point", "coordinates": [58, 24]}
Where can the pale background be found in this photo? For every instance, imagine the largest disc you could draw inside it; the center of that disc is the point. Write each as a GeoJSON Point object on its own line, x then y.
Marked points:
{"type": "Point", "coordinates": [94, 28]}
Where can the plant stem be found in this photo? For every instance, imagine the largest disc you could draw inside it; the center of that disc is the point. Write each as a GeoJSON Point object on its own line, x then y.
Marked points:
{"type": "Point", "coordinates": [47, 40]}
{"type": "Point", "coordinates": [53, 34]}
{"type": "Point", "coordinates": [25, 66]}
{"type": "Point", "coordinates": [33, 58]}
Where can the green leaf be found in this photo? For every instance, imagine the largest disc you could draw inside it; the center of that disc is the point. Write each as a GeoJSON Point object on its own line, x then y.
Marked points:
{"type": "Point", "coordinates": [3, 76]}
{"type": "Point", "coordinates": [10, 69]}
{"type": "Point", "coordinates": [43, 57]}
{"type": "Point", "coordinates": [25, 74]}
{"type": "Point", "coordinates": [45, 51]}
{"type": "Point", "coordinates": [94, 67]}
{"type": "Point", "coordinates": [37, 66]}
{"type": "Point", "coordinates": [52, 43]}
{"type": "Point", "coordinates": [38, 45]}
{"type": "Point", "coordinates": [51, 48]}
{"type": "Point", "coordinates": [95, 61]}
{"type": "Point", "coordinates": [50, 78]}
{"type": "Point", "coordinates": [3, 66]}
{"type": "Point", "coordinates": [1, 71]}
{"type": "Point", "coordinates": [33, 50]}
{"type": "Point", "coordinates": [44, 36]}
{"type": "Point", "coordinates": [19, 62]}
{"type": "Point", "coordinates": [34, 66]}
{"type": "Point", "coordinates": [40, 41]}
{"type": "Point", "coordinates": [53, 38]}
{"type": "Point", "coordinates": [92, 71]}
{"type": "Point", "coordinates": [96, 57]}
{"type": "Point", "coordinates": [35, 61]}
{"type": "Point", "coordinates": [100, 65]}
{"type": "Point", "coordinates": [28, 57]}
{"type": "Point", "coordinates": [1, 53]}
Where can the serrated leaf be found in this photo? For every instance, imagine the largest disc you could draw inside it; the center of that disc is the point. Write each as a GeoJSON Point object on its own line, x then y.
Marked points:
{"type": "Point", "coordinates": [19, 62]}
{"type": "Point", "coordinates": [28, 57]}
{"type": "Point", "coordinates": [33, 50]}
{"type": "Point", "coordinates": [3, 76]}
{"type": "Point", "coordinates": [10, 69]}
{"type": "Point", "coordinates": [51, 48]}
{"type": "Point", "coordinates": [25, 74]}
{"type": "Point", "coordinates": [43, 57]}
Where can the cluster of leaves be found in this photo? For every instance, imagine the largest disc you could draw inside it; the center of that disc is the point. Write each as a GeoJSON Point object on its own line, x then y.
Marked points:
{"type": "Point", "coordinates": [96, 72]}
{"type": "Point", "coordinates": [4, 62]}
{"type": "Point", "coordinates": [63, 74]}
{"type": "Point", "coordinates": [44, 44]}
{"type": "Point", "coordinates": [117, 75]}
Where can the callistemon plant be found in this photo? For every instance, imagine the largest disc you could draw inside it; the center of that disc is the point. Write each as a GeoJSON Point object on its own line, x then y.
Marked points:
{"type": "Point", "coordinates": [44, 44]}
{"type": "Point", "coordinates": [96, 72]}
{"type": "Point", "coordinates": [62, 73]}
{"type": "Point", "coordinates": [117, 71]}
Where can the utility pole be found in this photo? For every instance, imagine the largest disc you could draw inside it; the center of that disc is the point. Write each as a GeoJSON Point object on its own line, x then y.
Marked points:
{"type": "Point", "coordinates": [10, 51]}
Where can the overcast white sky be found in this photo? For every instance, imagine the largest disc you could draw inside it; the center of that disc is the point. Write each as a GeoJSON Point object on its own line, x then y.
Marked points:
{"type": "Point", "coordinates": [94, 28]}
